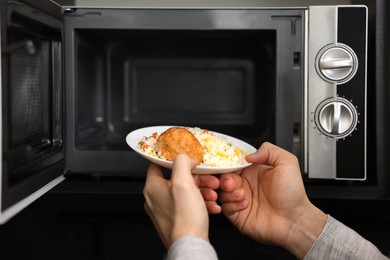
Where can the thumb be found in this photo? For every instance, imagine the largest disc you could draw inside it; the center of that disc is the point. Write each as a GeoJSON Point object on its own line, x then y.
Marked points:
{"type": "Point", "coordinates": [270, 154]}
{"type": "Point", "coordinates": [182, 167]}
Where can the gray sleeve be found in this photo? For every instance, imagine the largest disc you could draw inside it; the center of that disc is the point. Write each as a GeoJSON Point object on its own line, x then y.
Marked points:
{"type": "Point", "coordinates": [191, 248]}
{"type": "Point", "coordinates": [338, 241]}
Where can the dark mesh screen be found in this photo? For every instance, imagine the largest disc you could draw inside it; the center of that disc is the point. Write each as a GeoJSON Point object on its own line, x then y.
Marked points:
{"type": "Point", "coordinates": [29, 90]}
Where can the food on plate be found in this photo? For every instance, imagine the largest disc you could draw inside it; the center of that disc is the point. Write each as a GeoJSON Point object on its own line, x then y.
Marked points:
{"type": "Point", "coordinates": [177, 140]}
{"type": "Point", "coordinates": [216, 149]}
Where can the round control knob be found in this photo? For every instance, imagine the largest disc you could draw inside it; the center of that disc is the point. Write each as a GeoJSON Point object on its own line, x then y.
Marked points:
{"type": "Point", "coordinates": [336, 117]}
{"type": "Point", "coordinates": [337, 63]}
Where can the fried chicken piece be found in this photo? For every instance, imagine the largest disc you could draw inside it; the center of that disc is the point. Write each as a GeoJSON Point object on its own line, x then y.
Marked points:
{"type": "Point", "coordinates": [177, 140]}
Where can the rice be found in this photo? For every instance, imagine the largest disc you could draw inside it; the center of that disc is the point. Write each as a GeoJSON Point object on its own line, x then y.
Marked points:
{"type": "Point", "coordinates": [218, 151]}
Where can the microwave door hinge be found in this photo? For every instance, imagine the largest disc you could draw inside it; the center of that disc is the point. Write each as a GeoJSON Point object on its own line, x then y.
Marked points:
{"type": "Point", "coordinates": [65, 8]}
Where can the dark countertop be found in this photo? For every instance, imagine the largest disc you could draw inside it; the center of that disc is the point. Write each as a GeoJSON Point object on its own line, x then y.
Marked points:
{"type": "Point", "coordinates": [93, 224]}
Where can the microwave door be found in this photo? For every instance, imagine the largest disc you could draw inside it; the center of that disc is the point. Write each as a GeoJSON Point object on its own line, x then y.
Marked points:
{"type": "Point", "coordinates": [31, 106]}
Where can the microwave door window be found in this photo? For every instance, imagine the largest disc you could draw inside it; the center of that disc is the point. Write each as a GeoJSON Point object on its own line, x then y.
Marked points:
{"type": "Point", "coordinates": [29, 101]}
{"type": "Point", "coordinates": [30, 104]}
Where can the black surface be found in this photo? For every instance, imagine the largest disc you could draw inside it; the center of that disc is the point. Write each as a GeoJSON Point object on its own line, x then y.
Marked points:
{"type": "Point", "coordinates": [86, 225]}
{"type": "Point", "coordinates": [352, 30]}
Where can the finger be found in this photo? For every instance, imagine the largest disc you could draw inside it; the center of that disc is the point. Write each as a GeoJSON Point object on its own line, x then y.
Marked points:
{"type": "Point", "coordinates": [237, 195]}
{"type": "Point", "coordinates": [153, 174]}
{"type": "Point", "coordinates": [154, 171]}
{"type": "Point", "coordinates": [234, 207]}
{"type": "Point", "coordinates": [272, 155]}
{"type": "Point", "coordinates": [209, 194]}
{"type": "Point", "coordinates": [230, 182]}
{"type": "Point", "coordinates": [181, 169]}
{"type": "Point", "coordinates": [207, 181]}
{"type": "Point", "coordinates": [213, 207]}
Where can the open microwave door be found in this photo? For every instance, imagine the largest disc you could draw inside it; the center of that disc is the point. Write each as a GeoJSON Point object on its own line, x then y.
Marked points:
{"type": "Point", "coordinates": [31, 106]}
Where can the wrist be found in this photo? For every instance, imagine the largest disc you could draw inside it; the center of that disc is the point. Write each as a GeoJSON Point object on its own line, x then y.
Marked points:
{"type": "Point", "coordinates": [305, 231]}
{"type": "Point", "coordinates": [188, 232]}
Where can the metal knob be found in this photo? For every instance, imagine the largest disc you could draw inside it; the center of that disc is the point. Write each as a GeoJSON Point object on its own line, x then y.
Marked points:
{"type": "Point", "coordinates": [336, 117]}
{"type": "Point", "coordinates": [337, 63]}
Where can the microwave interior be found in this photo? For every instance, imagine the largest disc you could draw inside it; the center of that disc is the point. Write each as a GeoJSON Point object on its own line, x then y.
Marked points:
{"type": "Point", "coordinates": [126, 79]}
{"type": "Point", "coordinates": [124, 72]}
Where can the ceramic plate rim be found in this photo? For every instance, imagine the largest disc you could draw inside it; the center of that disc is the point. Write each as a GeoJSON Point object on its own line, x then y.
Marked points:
{"type": "Point", "coordinates": [135, 136]}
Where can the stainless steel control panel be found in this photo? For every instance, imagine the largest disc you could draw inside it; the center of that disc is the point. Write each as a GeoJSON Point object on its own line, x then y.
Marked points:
{"type": "Point", "coordinates": [335, 93]}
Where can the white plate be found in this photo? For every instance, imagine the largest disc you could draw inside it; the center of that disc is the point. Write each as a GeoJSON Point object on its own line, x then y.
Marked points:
{"type": "Point", "coordinates": [135, 136]}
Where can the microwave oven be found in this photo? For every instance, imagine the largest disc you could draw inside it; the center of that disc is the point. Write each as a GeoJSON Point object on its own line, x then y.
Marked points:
{"type": "Point", "coordinates": [76, 79]}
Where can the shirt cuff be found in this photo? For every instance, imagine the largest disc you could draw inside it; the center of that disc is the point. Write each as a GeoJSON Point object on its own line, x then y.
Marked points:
{"type": "Point", "coordinates": [191, 248]}
{"type": "Point", "coordinates": [338, 241]}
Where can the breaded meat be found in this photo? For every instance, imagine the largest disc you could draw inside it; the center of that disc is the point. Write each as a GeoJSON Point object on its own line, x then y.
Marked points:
{"type": "Point", "coordinates": [177, 140]}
